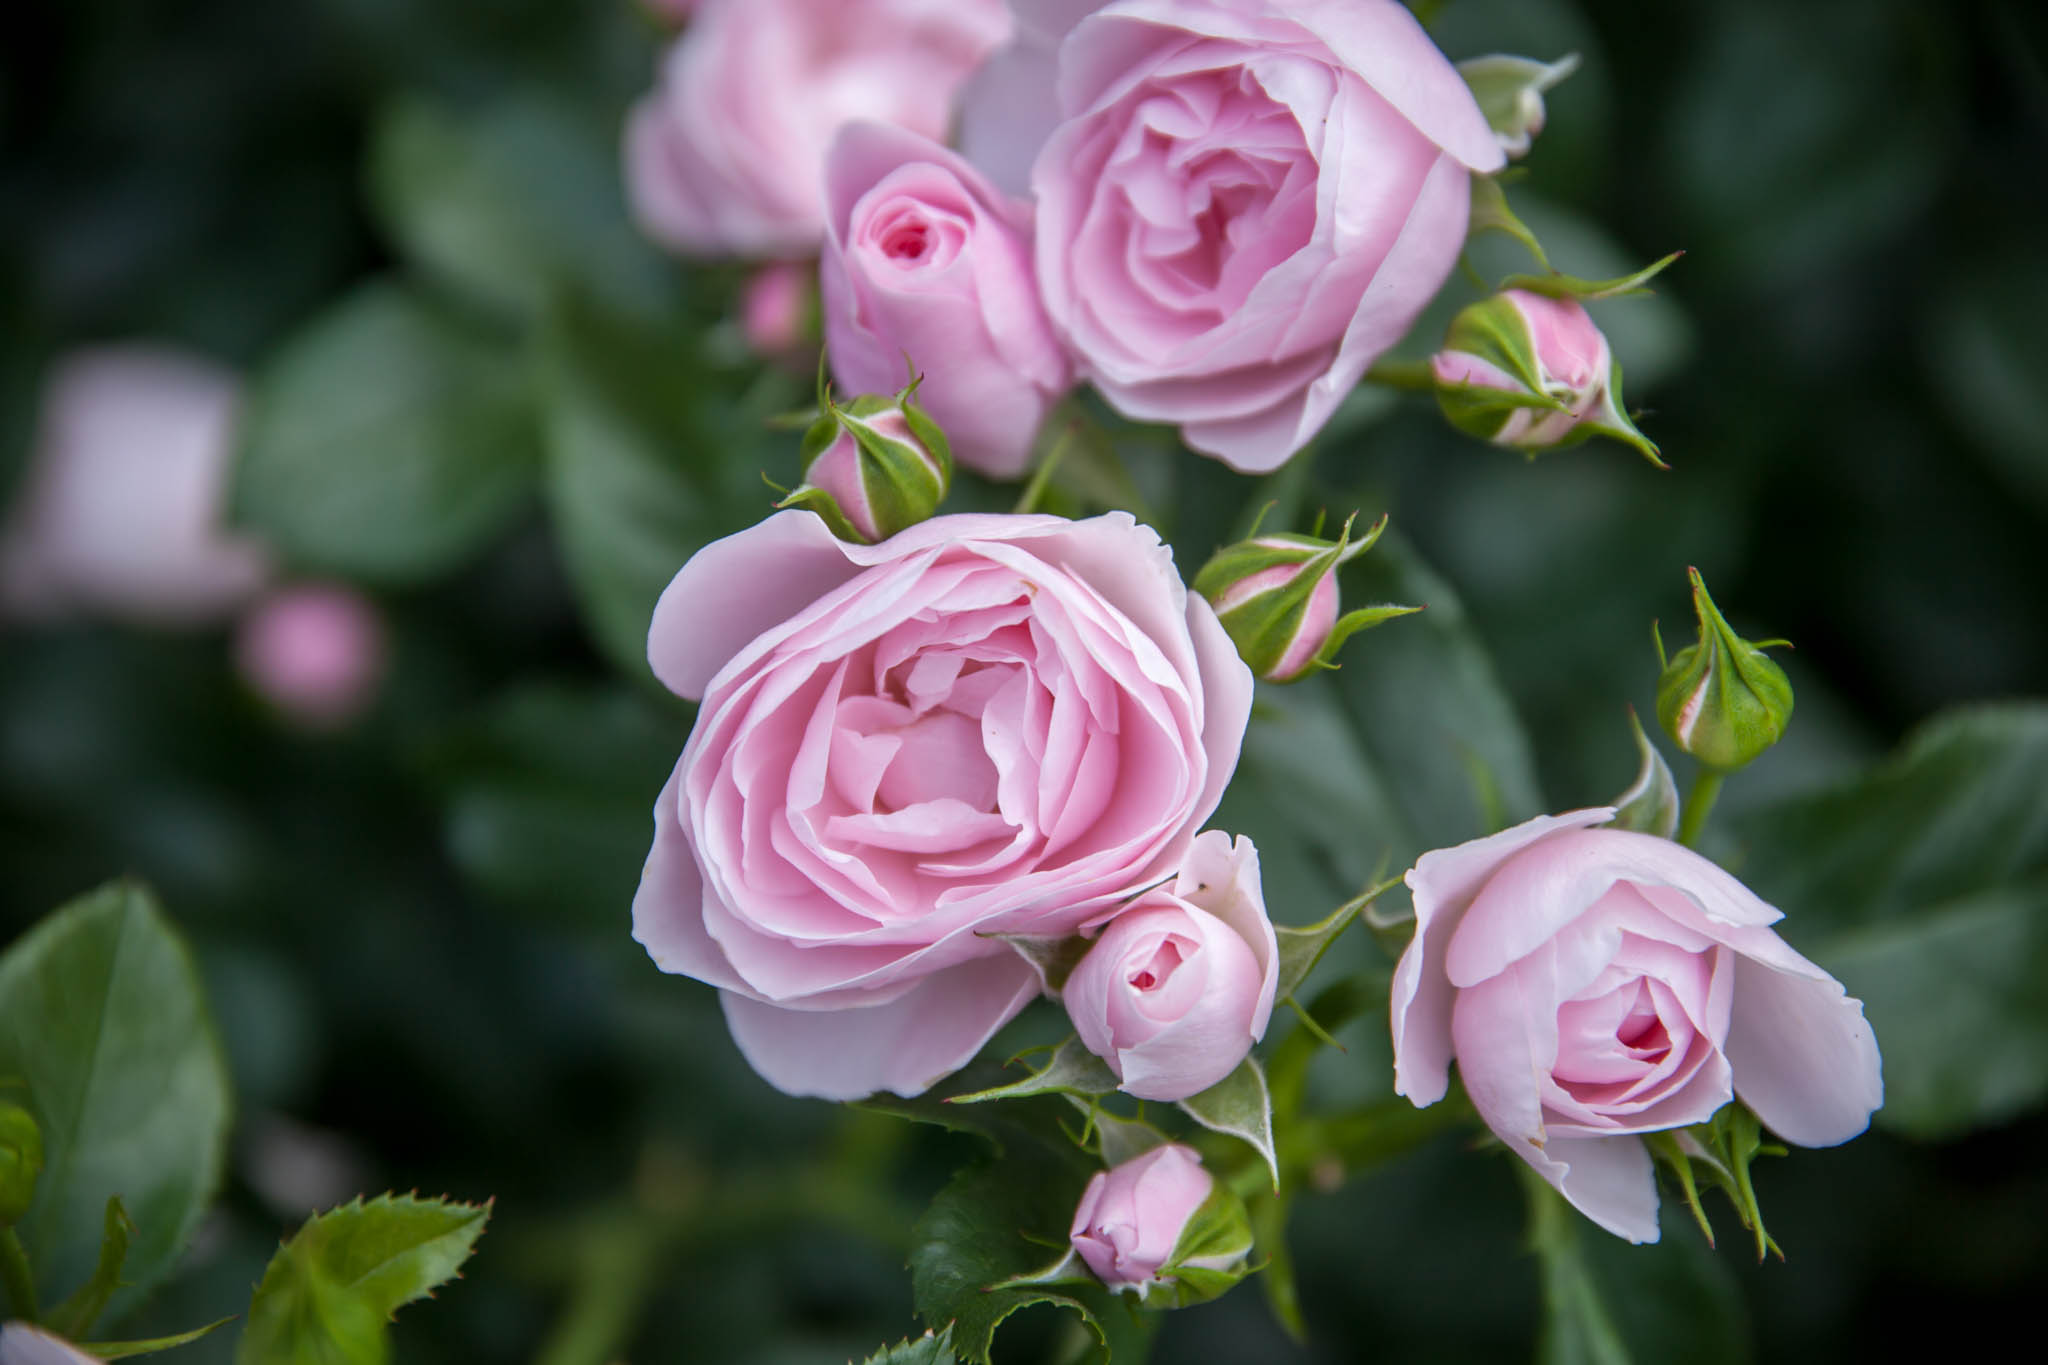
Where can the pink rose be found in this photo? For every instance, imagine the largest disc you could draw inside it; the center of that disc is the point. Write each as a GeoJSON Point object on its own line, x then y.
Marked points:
{"type": "Point", "coordinates": [724, 156]}
{"type": "Point", "coordinates": [1131, 1217]}
{"type": "Point", "coordinates": [314, 651]}
{"type": "Point", "coordinates": [983, 725]}
{"type": "Point", "coordinates": [121, 513]}
{"type": "Point", "coordinates": [1180, 985]}
{"type": "Point", "coordinates": [775, 308]}
{"type": "Point", "coordinates": [1245, 203]}
{"type": "Point", "coordinates": [1595, 984]}
{"type": "Point", "coordinates": [925, 258]}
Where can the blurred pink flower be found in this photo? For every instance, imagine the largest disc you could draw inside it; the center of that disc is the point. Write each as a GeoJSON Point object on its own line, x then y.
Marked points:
{"type": "Point", "coordinates": [314, 651]}
{"type": "Point", "coordinates": [775, 307]}
{"type": "Point", "coordinates": [724, 156]}
{"type": "Point", "coordinates": [120, 514]}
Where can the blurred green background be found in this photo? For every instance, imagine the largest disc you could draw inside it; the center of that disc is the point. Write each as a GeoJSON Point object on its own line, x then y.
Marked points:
{"type": "Point", "coordinates": [415, 932]}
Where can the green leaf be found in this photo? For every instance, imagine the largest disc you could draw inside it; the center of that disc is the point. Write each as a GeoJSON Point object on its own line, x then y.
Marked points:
{"type": "Point", "coordinates": [1240, 1107]}
{"type": "Point", "coordinates": [1072, 1070]}
{"type": "Point", "coordinates": [508, 201]}
{"type": "Point", "coordinates": [1923, 886]}
{"type": "Point", "coordinates": [994, 1223]}
{"type": "Point", "coordinates": [1608, 1303]}
{"type": "Point", "coordinates": [925, 1350]}
{"type": "Point", "coordinates": [1650, 805]}
{"type": "Point", "coordinates": [1301, 948]}
{"type": "Point", "coordinates": [102, 1015]}
{"type": "Point", "coordinates": [386, 441]}
{"type": "Point", "coordinates": [121, 1350]}
{"type": "Point", "coordinates": [649, 458]}
{"type": "Point", "coordinates": [328, 1292]}
{"type": "Point", "coordinates": [75, 1316]}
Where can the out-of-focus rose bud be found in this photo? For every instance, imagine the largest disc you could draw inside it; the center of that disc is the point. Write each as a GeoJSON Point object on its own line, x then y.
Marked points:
{"type": "Point", "coordinates": [1180, 984]}
{"type": "Point", "coordinates": [778, 308]}
{"type": "Point", "coordinates": [1510, 92]}
{"type": "Point", "coordinates": [21, 1344]}
{"type": "Point", "coordinates": [724, 156]}
{"type": "Point", "coordinates": [1721, 700]}
{"type": "Point", "coordinates": [1532, 372]}
{"type": "Point", "coordinates": [1159, 1223]}
{"type": "Point", "coordinates": [924, 257]}
{"type": "Point", "coordinates": [314, 651]}
{"type": "Point", "coordinates": [120, 514]}
{"type": "Point", "coordinates": [21, 1162]}
{"type": "Point", "coordinates": [874, 467]}
{"type": "Point", "coordinates": [1277, 596]}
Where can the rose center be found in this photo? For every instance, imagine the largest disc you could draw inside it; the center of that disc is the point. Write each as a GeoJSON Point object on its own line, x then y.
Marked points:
{"type": "Point", "coordinates": [907, 241]}
{"type": "Point", "coordinates": [941, 757]}
{"type": "Point", "coordinates": [1158, 968]}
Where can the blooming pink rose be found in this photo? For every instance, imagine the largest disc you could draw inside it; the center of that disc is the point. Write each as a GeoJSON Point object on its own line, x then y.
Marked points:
{"type": "Point", "coordinates": [1595, 984]}
{"type": "Point", "coordinates": [1131, 1217]}
{"type": "Point", "coordinates": [983, 725]}
{"type": "Point", "coordinates": [121, 511]}
{"type": "Point", "coordinates": [724, 156]}
{"type": "Point", "coordinates": [924, 258]}
{"type": "Point", "coordinates": [1244, 203]}
{"type": "Point", "coordinates": [314, 651]}
{"type": "Point", "coordinates": [1180, 985]}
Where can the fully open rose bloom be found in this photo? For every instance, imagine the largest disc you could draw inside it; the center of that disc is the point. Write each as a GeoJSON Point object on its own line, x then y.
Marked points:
{"type": "Point", "coordinates": [724, 156]}
{"type": "Point", "coordinates": [1595, 984]}
{"type": "Point", "coordinates": [983, 725]}
{"type": "Point", "coordinates": [1243, 203]}
{"type": "Point", "coordinates": [1181, 982]}
{"type": "Point", "coordinates": [925, 259]}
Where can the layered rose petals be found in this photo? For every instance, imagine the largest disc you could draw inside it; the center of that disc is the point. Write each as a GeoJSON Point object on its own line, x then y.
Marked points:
{"type": "Point", "coordinates": [984, 725]}
{"type": "Point", "coordinates": [1595, 984]}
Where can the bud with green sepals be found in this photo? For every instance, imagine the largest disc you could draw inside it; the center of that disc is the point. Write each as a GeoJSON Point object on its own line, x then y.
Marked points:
{"type": "Point", "coordinates": [1277, 597]}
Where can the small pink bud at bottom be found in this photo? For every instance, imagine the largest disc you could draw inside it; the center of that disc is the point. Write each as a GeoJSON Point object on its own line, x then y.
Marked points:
{"type": "Point", "coordinates": [314, 652]}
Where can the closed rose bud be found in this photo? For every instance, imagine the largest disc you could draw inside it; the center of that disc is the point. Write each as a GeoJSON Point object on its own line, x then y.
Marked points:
{"type": "Point", "coordinates": [21, 1344]}
{"type": "Point", "coordinates": [1180, 984]}
{"type": "Point", "coordinates": [1277, 597]}
{"type": "Point", "coordinates": [1510, 92]}
{"type": "Point", "coordinates": [1533, 373]}
{"type": "Point", "coordinates": [1721, 700]}
{"type": "Point", "coordinates": [874, 467]}
{"type": "Point", "coordinates": [21, 1162]}
{"type": "Point", "coordinates": [1160, 1223]}
{"type": "Point", "coordinates": [316, 652]}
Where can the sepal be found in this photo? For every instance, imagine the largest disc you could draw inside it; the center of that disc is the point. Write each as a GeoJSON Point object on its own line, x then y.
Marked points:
{"type": "Point", "coordinates": [1723, 1147]}
{"type": "Point", "coordinates": [1650, 805]}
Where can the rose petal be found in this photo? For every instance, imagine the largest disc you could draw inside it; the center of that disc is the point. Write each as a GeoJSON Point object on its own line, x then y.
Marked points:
{"type": "Point", "coordinates": [1805, 1058]}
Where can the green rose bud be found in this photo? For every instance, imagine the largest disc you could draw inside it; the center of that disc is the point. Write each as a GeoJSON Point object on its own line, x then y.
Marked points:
{"type": "Point", "coordinates": [1276, 595]}
{"type": "Point", "coordinates": [1510, 93]}
{"type": "Point", "coordinates": [1721, 700]}
{"type": "Point", "coordinates": [874, 467]}
{"type": "Point", "coordinates": [21, 1161]}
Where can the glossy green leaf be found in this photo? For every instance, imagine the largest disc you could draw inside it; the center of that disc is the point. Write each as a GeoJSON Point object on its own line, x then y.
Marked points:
{"type": "Point", "coordinates": [1924, 886]}
{"type": "Point", "coordinates": [509, 201]}
{"type": "Point", "coordinates": [1239, 1106]}
{"type": "Point", "coordinates": [329, 1291]}
{"type": "Point", "coordinates": [102, 1015]}
{"type": "Point", "coordinates": [1072, 1069]}
{"type": "Point", "coordinates": [387, 441]}
{"type": "Point", "coordinates": [929, 1349]}
{"type": "Point", "coordinates": [1002, 1221]}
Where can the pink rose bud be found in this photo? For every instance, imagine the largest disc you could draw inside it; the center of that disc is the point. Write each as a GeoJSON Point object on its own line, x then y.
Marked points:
{"type": "Point", "coordinates": [21, 1344]}
{"type": "Point", "coordinates": [873, 468]}
{"type": "Point", "coordinates": [1532, 372]}
{"type": "Point", "coordinates": [777, 308]}
{"type": "Point", "coordinates": [1239, 206]}
{"type": "Point", "coordinates": [1598, 985]}
{"type": "Point", "coordinates": [315, 652]}
{"type": "Point", "coordinates": [925, 258]}
{"type": "Point", "coordinates": [1722, 700]}
{"type": "Point", "coordinates": [121, 513]}
{"type": "Point", "coordinates": [1161, 1222]}
{"type": "Point", "coordinates": [1180, 984]}
{"type": "Point", "coordinates": [1277, 596]}
{"type": "Point", "coordinates": [724, 156]}
{"type": "Point", "coordinates": [1510, 92]}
